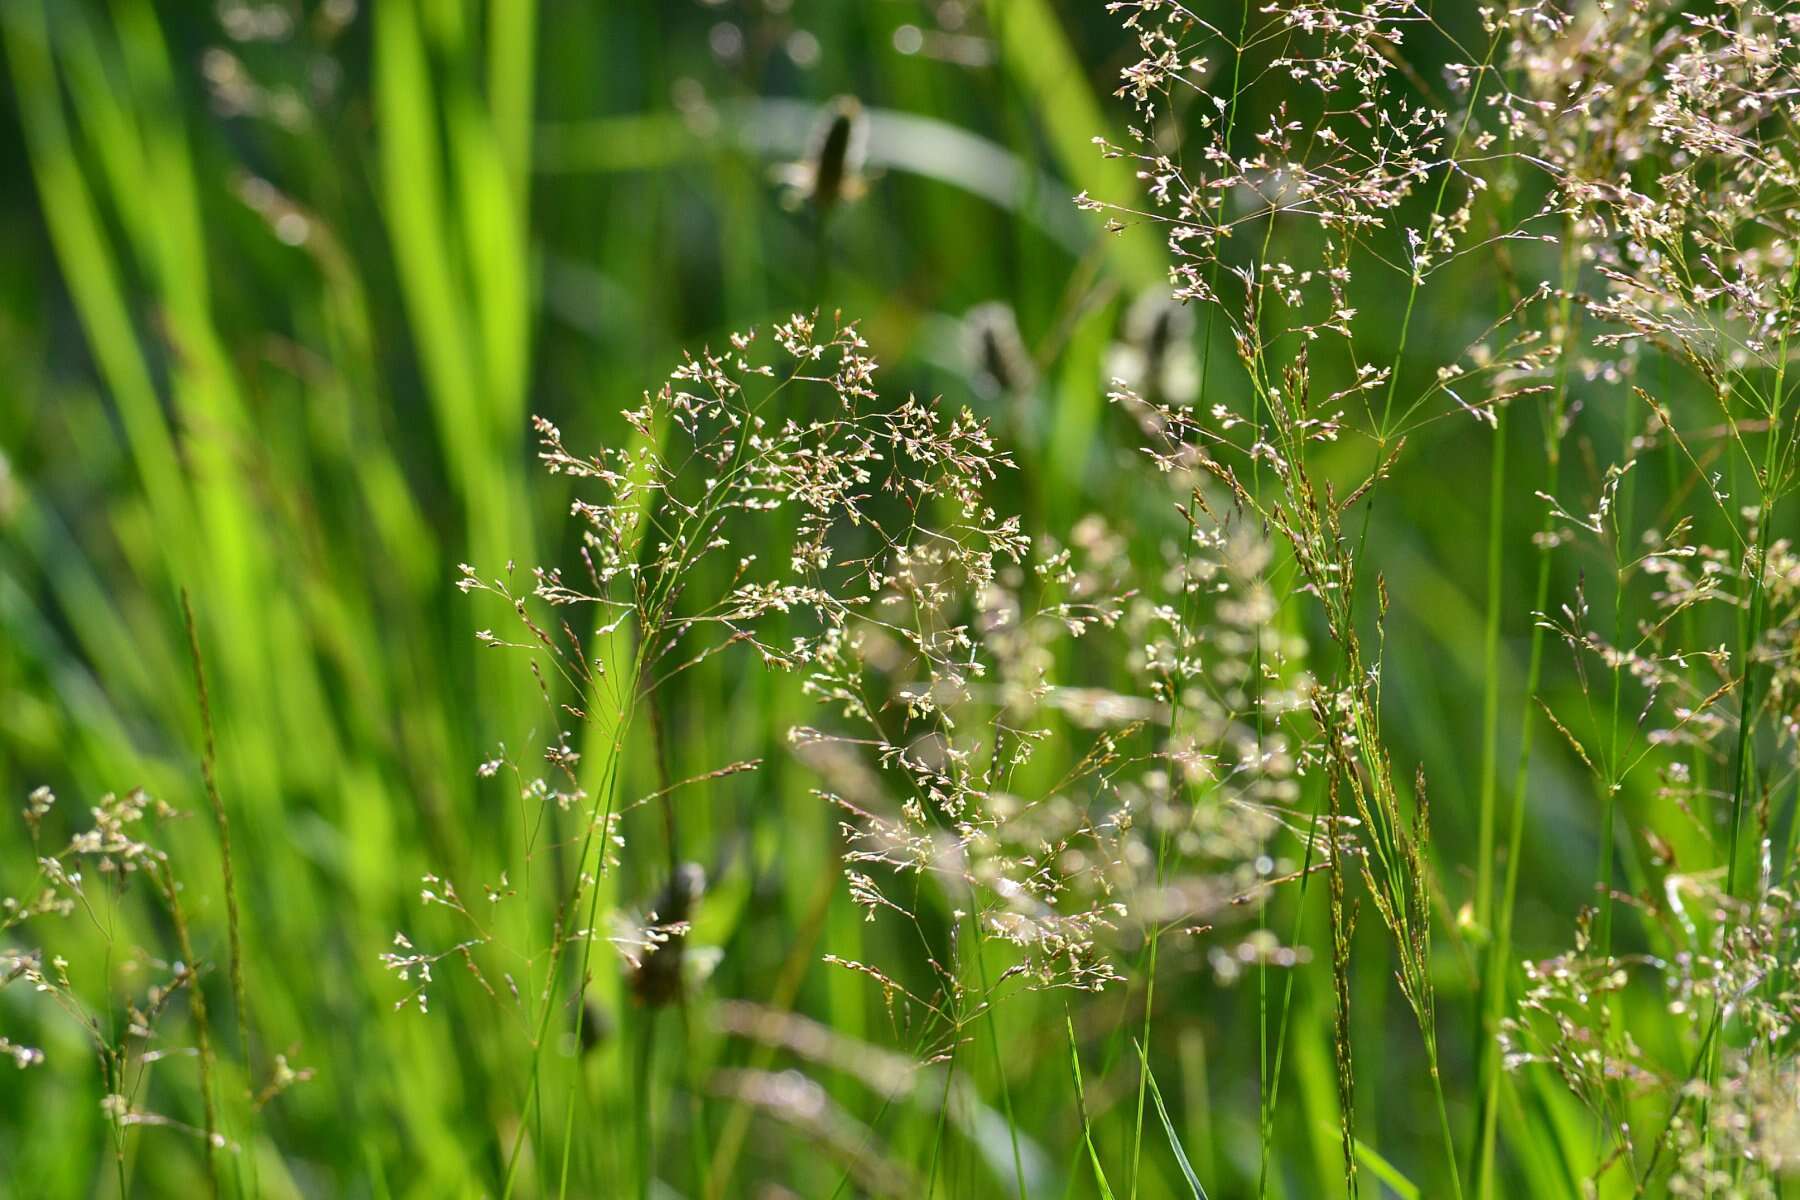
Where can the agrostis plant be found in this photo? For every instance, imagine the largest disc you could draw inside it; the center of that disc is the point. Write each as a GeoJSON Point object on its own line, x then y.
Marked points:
{"type": "Point", "coordinates": [141, 1007]}
{"type": "Point", "coordinates": [930, 630]}
{"type": "Point", "coordinates": [1680, 187]}
{"type": "Point", "coordinates": [1089, 766]}
{"type": "Point", "coordinates": [71, 934]}
{"type": "Point", "coordinates": [866, 500]}
{"type": "Point", "coordinates": [1625, 170]}
{"type": "Point", "coordinates": [1654, 144]}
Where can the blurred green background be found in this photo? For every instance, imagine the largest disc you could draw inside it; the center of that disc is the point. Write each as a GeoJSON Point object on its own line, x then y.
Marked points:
{"type": "Point", "coordinates": [283, 282]}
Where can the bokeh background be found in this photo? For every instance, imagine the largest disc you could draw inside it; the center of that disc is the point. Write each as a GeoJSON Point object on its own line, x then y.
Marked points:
{"type": "Point", "coordinates": [282, 283]}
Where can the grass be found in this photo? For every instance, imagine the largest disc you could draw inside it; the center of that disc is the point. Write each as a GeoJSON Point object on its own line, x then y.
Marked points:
{"type": "Point", "coordinates": [283, 300]}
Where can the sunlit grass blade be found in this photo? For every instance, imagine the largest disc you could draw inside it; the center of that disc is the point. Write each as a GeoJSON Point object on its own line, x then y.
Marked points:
{"type": "Point", "coordinates": [1162, 1115]}
{"type": "Point", "coordinates": [1087, 1131]}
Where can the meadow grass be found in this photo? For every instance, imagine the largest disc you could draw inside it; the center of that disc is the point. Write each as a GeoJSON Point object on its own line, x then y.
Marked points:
{"type": "Point", "coordinates": [1036, 598]}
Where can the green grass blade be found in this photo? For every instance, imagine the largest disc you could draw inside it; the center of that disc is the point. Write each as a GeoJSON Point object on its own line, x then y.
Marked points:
{"type": "Point", "coordinates": [1034, 48]}
{"type": "Point", "coordinates": [1162, 1114]}
{"type": "Point", "coordinates": [1087, 1132]}
{"type": "Point", "coordinates": [1385, 1171]}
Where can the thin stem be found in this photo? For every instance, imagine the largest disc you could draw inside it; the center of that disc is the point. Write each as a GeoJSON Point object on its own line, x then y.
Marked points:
{"type": "Point", "coordinates": [587, 941]}
{"type": "Point", "coordinates": [1437, 1091]}
{"type": "Point", "coordinates": [1437, 204]}
{"type": "Point", "coordinates": [1137, 1138]}
{"type": "Point", "coordinates": [598, 820]}
{"type": "Point", "coordinates": [1490, 692]}
{"type": "Point", "coordinates": [1012, 1124]}
{"type": "Point", "coordinates": [202, 1038]}
{"type": "Point", "coordinates": [1495, 977]}
{"type": "Point", "coordinates": [208, 775]}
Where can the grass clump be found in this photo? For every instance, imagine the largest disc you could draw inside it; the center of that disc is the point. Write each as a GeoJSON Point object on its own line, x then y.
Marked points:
{"type": "Point", "coordinates": [1106, 749]}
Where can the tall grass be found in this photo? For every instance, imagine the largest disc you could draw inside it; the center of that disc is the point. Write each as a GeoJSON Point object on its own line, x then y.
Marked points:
{"type": "Point", "coordinates": [1329, 543]}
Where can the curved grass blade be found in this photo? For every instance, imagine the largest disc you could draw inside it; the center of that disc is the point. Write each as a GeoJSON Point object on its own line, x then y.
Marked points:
{"type": "Point", "coordinates": [1162, 1114]}
{"type": "Point", "coordinates": [1391, 1176]}
{"type": "Point", "coordinates": [1087, 1134]}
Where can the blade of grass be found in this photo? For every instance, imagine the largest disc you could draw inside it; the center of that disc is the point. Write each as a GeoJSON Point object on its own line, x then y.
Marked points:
{"type": "Point", "coordinates": [1034, 48]}
{"type": "Point", "coordinates": [1162, 1114]}
{"type": "Point", "coordinates": [1087, 1132]}
{"type": "Point", "coordinates": [1385, 1171]}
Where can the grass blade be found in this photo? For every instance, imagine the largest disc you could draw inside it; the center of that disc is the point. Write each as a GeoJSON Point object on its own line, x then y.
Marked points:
{"type": "Point", "coordinates": [1162, 1114]}
{"type": "Point", "coordinates": [1087, 1133]}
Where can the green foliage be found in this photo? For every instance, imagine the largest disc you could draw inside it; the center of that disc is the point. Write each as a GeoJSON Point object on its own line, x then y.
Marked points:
{"type": "Point", "coordinates": [1081, 671]}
